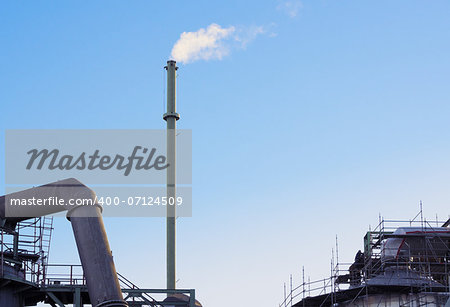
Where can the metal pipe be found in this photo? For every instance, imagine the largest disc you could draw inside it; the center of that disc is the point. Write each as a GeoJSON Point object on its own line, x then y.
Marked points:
{"type": "Point", "coordinates": [89, 231]}
{"type": "Point", "coordinates": [171, 118]}
{"type": "Point", "coordinates": [96, 257]}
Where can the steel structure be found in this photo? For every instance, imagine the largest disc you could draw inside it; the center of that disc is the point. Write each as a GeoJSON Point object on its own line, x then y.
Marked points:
{"type": "Point", "coordinates": [28, 247]}
{"type": "Point", "coordinates": [171, 117]}
{"type": "Point", "coordinates": [24, 268]}
{"type": "Point", "coordinates": [27, 278]}
{"type": "Point", "coordinates": [404, 263]}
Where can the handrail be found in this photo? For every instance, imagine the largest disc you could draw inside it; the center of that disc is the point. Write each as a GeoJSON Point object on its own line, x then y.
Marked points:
{"type": "Point", "coordinates": [417, 262]}
{"type": "Point", "coordinates": [131, 285]}
{"type": "Point", "coordinates": [73, 275]}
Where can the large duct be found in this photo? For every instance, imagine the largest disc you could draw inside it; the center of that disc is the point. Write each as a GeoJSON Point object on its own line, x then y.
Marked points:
{"type": "Point", "coordinates": [88, 229]}
{"type": "Point", "coordinates": [96, 257]}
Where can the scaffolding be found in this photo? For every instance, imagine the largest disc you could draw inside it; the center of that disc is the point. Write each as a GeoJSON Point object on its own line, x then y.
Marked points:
{"type": "Point", "coordinates": [404, 263]}
{"type": "Point", "coordinates": [24, 255]}
{"type": "Point", "coordinates": [24, 251]}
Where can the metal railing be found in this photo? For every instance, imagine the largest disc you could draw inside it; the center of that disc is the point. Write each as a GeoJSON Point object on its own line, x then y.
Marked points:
{"type": "Point", "coordinates": [70, 275]}
{"type": "Point", "coordinates": [325, 286]}
{"type": "Point", "coordinates": [431, 263]}
{"type": "Point", "coordinates": [26, 248]}
{"type": "Point", "coordinates": [64, 275]}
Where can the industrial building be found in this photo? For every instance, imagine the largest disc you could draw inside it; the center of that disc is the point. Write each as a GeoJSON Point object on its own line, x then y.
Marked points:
{"type": "Point", "coordinates": [402, 263]}
{"type": "Point", "coordinates": [27, 278]}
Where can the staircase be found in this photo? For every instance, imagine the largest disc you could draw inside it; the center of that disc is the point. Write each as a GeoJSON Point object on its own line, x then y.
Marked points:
{"type": "Point", "coordinates": [136, 299]}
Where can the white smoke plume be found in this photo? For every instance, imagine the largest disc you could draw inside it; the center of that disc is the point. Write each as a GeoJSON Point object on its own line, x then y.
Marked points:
{"type": "Point", "coordinates": [213, 43]}
{"type": "Point", "coordinates": [205, 44]}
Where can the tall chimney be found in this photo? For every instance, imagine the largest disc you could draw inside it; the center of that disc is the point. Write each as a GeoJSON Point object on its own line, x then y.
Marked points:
{"type": "Point", "coordinates": [171, 118]}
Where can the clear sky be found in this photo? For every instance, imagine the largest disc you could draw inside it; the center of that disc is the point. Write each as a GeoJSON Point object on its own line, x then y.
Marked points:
{"type": "Point", "coordinates": [318, 116]}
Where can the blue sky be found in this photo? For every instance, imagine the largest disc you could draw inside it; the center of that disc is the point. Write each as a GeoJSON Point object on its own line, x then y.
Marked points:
{"type": "Point", "coordinates": [337, 111]}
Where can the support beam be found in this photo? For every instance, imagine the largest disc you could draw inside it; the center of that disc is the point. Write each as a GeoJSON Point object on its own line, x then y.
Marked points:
{"type": "Point", "coordinates": [55, 299]}
{"type": "Point", "coordinates": [192, 298]}
{"type": "Point", "coordinates": [77, 298]}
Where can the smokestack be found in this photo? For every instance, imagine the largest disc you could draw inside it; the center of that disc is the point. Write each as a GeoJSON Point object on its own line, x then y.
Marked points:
{"type": "Point", "coordinates": [171, 118]}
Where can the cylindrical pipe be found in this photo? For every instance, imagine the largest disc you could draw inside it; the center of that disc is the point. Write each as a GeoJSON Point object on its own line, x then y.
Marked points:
{"type": "Point", "coordinates": [96, 257]}
{"type": "Point", "coordinates": [171, 118]}
{"type": "Point", "coordinates": [42, 200]}
{"type": "Point", "coordinates": [88, 229]}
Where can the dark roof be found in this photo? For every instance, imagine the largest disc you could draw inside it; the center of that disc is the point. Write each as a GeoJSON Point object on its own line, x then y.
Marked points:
{"type": "Point", "coordinates": [349, 294]}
